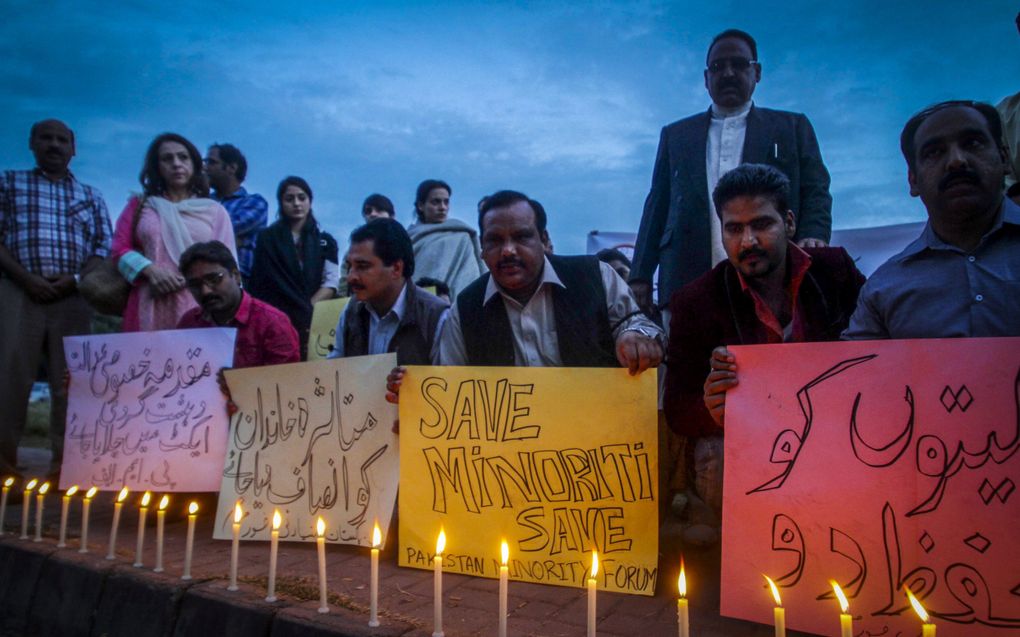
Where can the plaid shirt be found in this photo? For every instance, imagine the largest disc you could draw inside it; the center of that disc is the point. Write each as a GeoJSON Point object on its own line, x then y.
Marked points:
{"type": "Point", "coordinates": [248, 214]}
{"type": "Point", "coordinates": [52, 228]}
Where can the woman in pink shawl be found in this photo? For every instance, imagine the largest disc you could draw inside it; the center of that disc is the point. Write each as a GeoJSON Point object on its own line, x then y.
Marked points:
{"type": "Point", "coordinates": [174, 213]}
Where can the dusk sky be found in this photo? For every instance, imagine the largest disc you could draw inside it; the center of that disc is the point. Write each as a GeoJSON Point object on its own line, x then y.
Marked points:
{"type": "Point", "coordinates": [562, 101]}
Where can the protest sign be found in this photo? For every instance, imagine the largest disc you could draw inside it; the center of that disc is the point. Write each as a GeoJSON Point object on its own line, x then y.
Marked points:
{"type": "Point", "coordinates": [880, 465]}
{"type": "Point", "coordinates": [556, 461]}
{"type": "Point", "coordinates": [311, 439]}
{"type": "Point", "coordinates": [322, 336]}
{"type": "Point", "coordinates": [144, 410]}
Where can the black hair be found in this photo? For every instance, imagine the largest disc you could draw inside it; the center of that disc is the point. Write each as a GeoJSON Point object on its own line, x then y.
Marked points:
{"type": "Point", "coordinates": [390, 242]}
{"type": "Point", "coordinates": [379, 202]}
{"type": "Point", "coordinates": [740, 35]}
{"type": "Point", "coordinates": [910, 129]}
{"type": "Point", "coordinates": [210, 252]}
{"type": "Point", "coordinates": [152, 181]}
{"type": "Point", "coordinates": [424, 188]}
{"type": "Point", "coordinates": [35, 128]}
{"type": "Point", "coordinates": [753, 180]}
{"type": "Point", "coordinates": [608, 255]}
{"type": "Point", "coordinates": [504, 198]}
{"type": "Point", "coordinates": [427, 281]}
{"type": "Point", "coordinates": [230, 154]}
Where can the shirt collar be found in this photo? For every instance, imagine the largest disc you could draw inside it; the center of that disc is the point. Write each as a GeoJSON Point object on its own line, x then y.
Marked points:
{"type": "Point", "coordinates": [243, 314]}
{"type": "Point", "coordinates": [240, 192]}
{"type": "Point", "coordinates": [398, 306]}
{"type": "Point", "coordinates": [1009, 213]}
{"type": "Point", "coordinates": [797, 260]}
{"type": "Point", "coordinates": [719, 112]}
{"type": "Point", "coordinates": [548, 276]}
{"type": "Point", "coordinates": [38, 172]}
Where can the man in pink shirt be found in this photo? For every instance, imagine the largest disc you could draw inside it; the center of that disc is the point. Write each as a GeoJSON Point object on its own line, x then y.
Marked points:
{"type": "Point", "coordinates": [265, 335]}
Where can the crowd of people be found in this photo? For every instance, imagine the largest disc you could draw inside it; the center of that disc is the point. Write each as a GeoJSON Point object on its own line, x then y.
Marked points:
{"type": "Point", "coordinates": [737, 224]}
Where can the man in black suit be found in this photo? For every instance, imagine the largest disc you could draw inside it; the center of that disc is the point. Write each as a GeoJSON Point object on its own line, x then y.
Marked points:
{"type": "Point", "coordinates": [679, 231]}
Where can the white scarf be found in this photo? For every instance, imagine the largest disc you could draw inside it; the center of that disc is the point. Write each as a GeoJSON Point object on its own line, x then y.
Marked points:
{"type": "Point", "coordinates": [176, 237]}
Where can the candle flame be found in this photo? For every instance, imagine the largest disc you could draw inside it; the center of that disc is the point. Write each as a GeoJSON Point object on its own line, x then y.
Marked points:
{"type": "Point", "coordinates": [71, 491]}
{"type": "Point", "coordinates": [594, 564]}
{"type": "Point", "coordinates": [193, 508]}
{"type": "Point", "coordinates": [504, 552]}
{"type": "Point", "coordinates": [44, 488]}
{"type": "Point", "coordinates": [923, 614]}
{"type": "Point", "coordinates": [163, 502]}
{"type": "Point", "coordinates": [681, 582]}
{"type": "Point", "coordinates": [91, 493]}
{"type": "Point", "coordinates": [146, 498]}
{"type": "Point", "coordinates": [8, 482]}
{"type": "Point", "coordinates": [376, 535]}
{"type": "Point", "coordinates": [843, 604]}
{"type": "Point", "coordinates": [441, 542]}
{"type": "Point", "coordinates": [277, 520]}
{"type": "Point", "coordinates": [31, 485]}
{"type": "Point", "coordinates": [320, 527]}
{"type": "Point", "coordinates": [123, 494]}
{"type": "Point", "coordinates": [775, 590]}
{"type": "Point", "coordinates": [238, 512]}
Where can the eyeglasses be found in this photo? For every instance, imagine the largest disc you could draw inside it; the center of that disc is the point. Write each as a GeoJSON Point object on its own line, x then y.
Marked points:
{"type": "Point", "coordinates": [212, 280]}
{"type": "Point", "coordinates": [738, 64]}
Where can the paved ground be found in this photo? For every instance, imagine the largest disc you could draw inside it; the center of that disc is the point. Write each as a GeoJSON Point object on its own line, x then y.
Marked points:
{"type": "Point", "coordinates": [405, 594]}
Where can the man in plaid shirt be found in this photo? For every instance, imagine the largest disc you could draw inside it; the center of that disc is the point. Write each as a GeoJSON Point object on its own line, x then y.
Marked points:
{"type": "Point", "coordinates": [226, 168]}
{"type": "Point", "coordinates": [51, 227]}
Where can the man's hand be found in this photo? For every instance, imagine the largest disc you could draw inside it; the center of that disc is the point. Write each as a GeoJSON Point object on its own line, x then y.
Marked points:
{"type": "Point", "coordinates": [721, 379]}
{"type": "Point", "coordinates": [637, 352]}
{"type": "Point", "coordinates": [221, 380]}
{"type": "Point", "coordinates": [39, 289]}
{"type": "Point", "coordinates": [393, 382]}
{"type": "Point", "coordinates": [642, 293]}
{"type": "Point", "coordinates": [163, 280]}
{"type": "Point", "coordinates": [812, 243]}
{"type": "Point", "coordinates": [65, 284]}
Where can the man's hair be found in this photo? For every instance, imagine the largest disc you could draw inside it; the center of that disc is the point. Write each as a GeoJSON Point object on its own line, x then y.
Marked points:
{"type": "Point", "coordinates": [379, 202]}
{"type": "Point", "coordinates": [504, 198]}
{"type": "Point", "coordinates": [152, 182]}
{"type": "Point", "coordinates": [390, 242]}
{"type": "Point", "coordinates": [292, 180]}
{"type": "Point", "coordinates": [734, 33]}
{"type": "Point", "coordinates": [910, 129]}
{"type": "Point", "coordinates": [210, 252]}
{"type": "Point", "coordinates": [608, 255]}
{"type": "Point", "coordinates": [753, 180]}
{"type": "Point", "coordinates": [230, 154]}
{"type": "Point", "coordinates": [428, 282]}
{"type": "Point", "coordinates": [424, 188]}
{"type": "Point", "coordinates": [37, 125]}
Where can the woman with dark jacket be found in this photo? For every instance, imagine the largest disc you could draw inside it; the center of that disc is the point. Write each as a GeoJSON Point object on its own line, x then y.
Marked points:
{"type": "Point", "coordinates": [296, 263]}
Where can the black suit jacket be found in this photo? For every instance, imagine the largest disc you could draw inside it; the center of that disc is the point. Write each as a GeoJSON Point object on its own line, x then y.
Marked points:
{"type": "Point", "coordinates": [675, 230]}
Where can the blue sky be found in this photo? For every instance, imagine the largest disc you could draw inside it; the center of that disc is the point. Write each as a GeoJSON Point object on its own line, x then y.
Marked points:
{"type": "Point", "coordinates": [563, 101]}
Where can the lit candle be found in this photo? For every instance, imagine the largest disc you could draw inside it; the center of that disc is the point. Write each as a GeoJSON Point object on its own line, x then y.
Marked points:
{"type": "Point", "coordinates": [25, 504]}
{"type": "Point", "coordinates": [38, 511]}
{"type": "Point", "coordinates": [846, 622]}
{"type": "Point", "coordinates": [927, 628]}
{"type": "Point", "coordinates": [437, 585]}
{"type": "Point", "coordinates": [160, 517]}
{"type": "Point", "coordinates": [320, 541]}
{"type": "Point", "coordinates": [142, 511]}
{"type": "Point", "coordinates": [3, 502]}
{"type": "Point", "coordinates": [235, 545]}
{"type": "Point", "coordinates": [189, 543]}
{"type": "Point", "coordinates": [778, 613]}
{"type": "Point", "coordinates": [274, 542]}
{"type": "Point", "coordinates": [591, 593]}
{"type": "Point", "coordinates": [683, 621]}
{"type": "Point", "coordinates": [504, 580]}
{"type": "Point", "coordinates": [86, 503]}
{"type": "Point", "coordinates": [64, 506]}
{"type": "Point", "coordinates": [117, 506]}
{"type": "Point", "coordinates": [373, 603]}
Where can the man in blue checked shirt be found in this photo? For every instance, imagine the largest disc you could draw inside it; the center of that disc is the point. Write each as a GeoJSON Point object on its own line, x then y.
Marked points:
{"type": "Point", "coordinates": [52, 227]}
{"type": "Point", "coordinates": [226, 168]}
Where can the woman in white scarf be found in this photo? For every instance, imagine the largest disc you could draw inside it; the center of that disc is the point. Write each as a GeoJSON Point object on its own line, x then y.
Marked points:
{"type": "Point", "coordinates": [155, 228]}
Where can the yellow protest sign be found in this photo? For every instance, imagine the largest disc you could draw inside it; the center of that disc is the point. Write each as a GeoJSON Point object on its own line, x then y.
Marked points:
{"type": "Point", "coordinates": [556, 461]}
{"type": "Point", "coordinates": [325, 316]}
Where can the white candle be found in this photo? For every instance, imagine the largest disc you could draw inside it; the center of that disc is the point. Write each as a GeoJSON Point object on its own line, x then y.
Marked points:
{"type": "Point", "coordinates": [927, 628]}
{"type": "Point", "coordinates": [274, 542]}
{"type": "Point", "coordinates": [189, 543]}
{"type": "Point", "coordinates": [26, 503]}
{"type": "Point", "coordinates": [683, 620]}
{"type": "Point", "coordinates": [64, 506]}
{"type": "Point", "coordinates": [320, 541]}
{"type": "Point", "coordinates": [437, 585]}
{"type": "Point", "coordinates": [846, 622]}
{"type": "Point", "coordinates": [160, 518]}
{"type": "Point", "coordinates": [592, 584]}
{"type": "Point", "coordinates": [373, 593]}
{"type": "Point", "coordinates": [39, 510]}
{"type": "Point", "coordinates": [3, 502]}
{"type": "Point", "coordinates": [140, 544]}
{"type": "Point", "coordinates": [235, 545]}
{"type": "Point", "coordinates": [504, 576]}
{"type": "Point", "coordinates": [778, 613]}
{"type": "Point", "coordinates": [117, 506]}
{"type": "Point", "coordinates": [86, 503]}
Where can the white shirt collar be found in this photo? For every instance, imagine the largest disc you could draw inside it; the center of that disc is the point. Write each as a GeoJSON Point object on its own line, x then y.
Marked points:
{"type": "Point", "coordinates": [548, 276]}
{"type": "Point", "coordinates": [398, 306]}
{"type": "Point", "coordinates": [719, 112]}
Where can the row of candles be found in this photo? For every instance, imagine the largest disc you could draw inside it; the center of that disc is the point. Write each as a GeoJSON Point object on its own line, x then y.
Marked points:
{"type": "Point", "coordinates": [683, 617]}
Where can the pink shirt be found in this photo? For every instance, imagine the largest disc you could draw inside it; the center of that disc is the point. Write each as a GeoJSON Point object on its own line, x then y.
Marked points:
{"type": "Point", "coordinates": [264, 333]}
